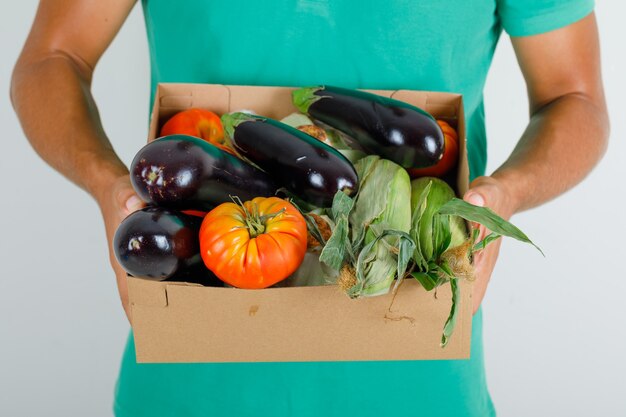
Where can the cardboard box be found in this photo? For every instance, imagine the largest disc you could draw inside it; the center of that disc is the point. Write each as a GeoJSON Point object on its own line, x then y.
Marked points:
{"type": "Point", "coordinates": [181, 322]}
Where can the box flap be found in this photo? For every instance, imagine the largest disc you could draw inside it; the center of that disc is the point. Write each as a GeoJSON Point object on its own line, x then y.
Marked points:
{"type": "Point", "coordinates": [174, 97]}
{"type": "Point", "coordinates": [295, 324]}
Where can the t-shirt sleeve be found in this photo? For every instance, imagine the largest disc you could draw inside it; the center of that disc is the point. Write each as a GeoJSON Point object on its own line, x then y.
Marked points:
{"type": "Point", "coordinates": [532, 17]}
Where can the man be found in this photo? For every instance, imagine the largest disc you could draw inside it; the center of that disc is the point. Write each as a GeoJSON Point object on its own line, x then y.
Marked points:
{"type": "Point", "coordinates": [436, 45]}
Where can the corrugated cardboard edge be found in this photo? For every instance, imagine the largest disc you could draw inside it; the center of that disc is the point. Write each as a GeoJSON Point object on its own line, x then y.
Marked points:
{"type": "Point", "coordinates": [176, 322]}
{"type": "Point", "coordinates": [164, 313]}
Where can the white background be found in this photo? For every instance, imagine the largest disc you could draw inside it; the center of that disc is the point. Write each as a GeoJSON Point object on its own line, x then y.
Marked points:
{"type": "Point", "coordinates": [555, 328]}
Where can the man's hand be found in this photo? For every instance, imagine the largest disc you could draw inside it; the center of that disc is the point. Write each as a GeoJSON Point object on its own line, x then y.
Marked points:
{"type": "Point", "coordinates": [566, 136]}
{"type": "Point", "coordinates": [492, 193]}
{"type": "Point", "coordinates": [51, 87]}
{"type": "Point", "coordinates": [117, 202]}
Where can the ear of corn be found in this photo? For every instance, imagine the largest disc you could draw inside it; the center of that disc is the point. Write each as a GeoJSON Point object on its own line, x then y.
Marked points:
{"type": "Point", "coordinates": [383, 211]}
{"type": "Point", "coordinates": [424, 225]}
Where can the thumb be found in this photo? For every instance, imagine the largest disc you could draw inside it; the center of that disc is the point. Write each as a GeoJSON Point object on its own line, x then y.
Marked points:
{"type": "Point", "coordinates": [133, 203]}
{"type": "Point", "coordinates": [127, 199]}
{"type": "Point", "coordinates": [474, 197]}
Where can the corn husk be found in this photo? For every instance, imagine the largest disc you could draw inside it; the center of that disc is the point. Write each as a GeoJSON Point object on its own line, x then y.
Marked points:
{"type": "Point", "coordinates": [428, 195]}
{"type": "Point", "coordinates": [372, 230]}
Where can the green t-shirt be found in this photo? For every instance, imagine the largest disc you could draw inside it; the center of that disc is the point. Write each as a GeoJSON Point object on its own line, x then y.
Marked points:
{"type": "Point", "coordinates": [398, 44]}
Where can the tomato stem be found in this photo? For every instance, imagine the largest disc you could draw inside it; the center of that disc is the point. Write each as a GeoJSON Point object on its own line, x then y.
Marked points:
{"type": "Point", "coordinates": [255, 223]}
{"type": "Point", "coordinates": [254, 228]}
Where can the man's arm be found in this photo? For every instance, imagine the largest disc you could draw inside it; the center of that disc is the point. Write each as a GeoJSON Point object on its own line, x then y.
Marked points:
{"type": "Point", "coordinates": [50, 91]}
{"type": "Point", "coordinates": [566, 136]}
{"type": "Point", "coordinates": [569, 127]}
{"type": "Point", "coordinates": [51, 84]}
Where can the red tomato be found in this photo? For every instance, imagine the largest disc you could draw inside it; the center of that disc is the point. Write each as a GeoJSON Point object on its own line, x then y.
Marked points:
{"type": "Point", "coordinates": [203, 124]}
{"type": "Point", "coordinates": [450, 155]}
{"type": "Point", "coordinates": [196, 213]}
{"type": "Point", "coordinates": [255, 244]}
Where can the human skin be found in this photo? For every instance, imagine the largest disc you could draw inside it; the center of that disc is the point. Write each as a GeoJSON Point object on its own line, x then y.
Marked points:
{"type": "Point", "coordinates": [566, 136]}
{"type": "Point", "coordinates": [567, 133]}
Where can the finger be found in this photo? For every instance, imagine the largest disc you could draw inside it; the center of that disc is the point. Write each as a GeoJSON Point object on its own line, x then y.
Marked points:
{"type": "Point", "coordinates": [122, 288]}
{"type": "Point", "coordinates": [126, 199]}
{"type": "Point", "coordinates": [132, 204]}
{"type": "Point", "coordinates": [485, 257]}
{"type": "Point", "coordinates": [479, 284]}
{"type": "Point", "coordinates": [483, 271]}
{"type": "Point", "coordinates": [481, 279]}
{"type": "Point", "coordinates": [482, 231]}
{"type": "Point", "coordinates": [477, 199]}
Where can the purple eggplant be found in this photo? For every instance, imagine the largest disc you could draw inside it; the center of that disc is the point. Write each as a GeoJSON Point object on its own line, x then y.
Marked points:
{"type": "Point", "coordinates": [184, 172]}
{"type": "Point", "coordinates": [307, 167]}
{"type": "Point", "coordinates": [162, 244]}
{"type": "Point", "coordinates": [395, 130]}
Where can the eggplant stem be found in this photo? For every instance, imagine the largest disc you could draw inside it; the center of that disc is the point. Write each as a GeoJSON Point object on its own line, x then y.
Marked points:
{"type": "Point", "coordinates": [303, 98]}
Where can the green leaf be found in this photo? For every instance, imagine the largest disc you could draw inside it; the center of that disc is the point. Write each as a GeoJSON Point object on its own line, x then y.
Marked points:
{"type": "Point", "coordinates": [475, 233]}
{"type": "Point", "coordinates": [230, 121]}
{"type": "Point", "coordinates": [338, 142]}
{"type": "Point", "coordinates": [358, 239]}
{"type": "Point", "coordinates": [383, 197]}
{"type": "Point", "coordinates": [443, 236]}
{"type": "Point", "coordinates": [377, 266]}
{"type": "Point", "coordinates": [419, 260]}
{"type": "Point", "coordinates": [349, 250]}
{"type": "Point", "coordinates": [311, 272]}
{"type": "Point", "coordinates": [294, 199]}
{"type": "Point", "coordinates": [432, 265]}
{"type": "Point", "coordinates": [353, 155]}
{"type": "Point", "coordinates": [366, 255]}
{"type": "Point", "coordinates": [446, 270]}
{"type": "Point", "coordinates": [296, 120]}
{"type": "Point", "coordinates": [303, 97]}
{"type": "Point", "coordinates": [425, 280]}
{"type": "Point", "coordinates": [437, 277]}
{"type": "Point", "coordinates": [487, 240]}
{"type": "Point", "coordinates": [335, 249]}
{"type": "Point", "coordinates": [420, 206]}
{"type": "Point", "coordinates": [342, 205]}
{"type": "Point", "coordinates": [486, 217]}
{"type": "Point", "coordinates": [448, 328]}
{"type": "Point", "coordinates": [406, 247]}
{"type": "Point", "coordinates": [418, 211]}
{"type": "Point", "coordinates": [365, 166]}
